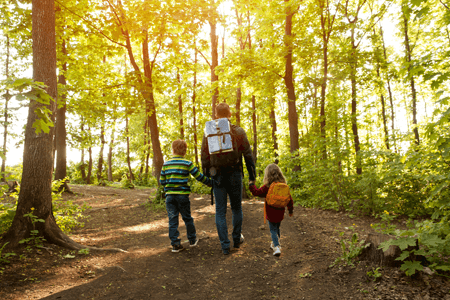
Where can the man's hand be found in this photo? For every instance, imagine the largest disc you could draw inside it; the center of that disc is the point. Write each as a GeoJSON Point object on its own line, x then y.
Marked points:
{"type": "Point", "coordinates": [251, 182]}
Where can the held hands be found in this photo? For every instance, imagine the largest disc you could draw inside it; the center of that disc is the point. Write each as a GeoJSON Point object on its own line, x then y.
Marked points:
{"type": "Point", "coordinates": [251, 182]}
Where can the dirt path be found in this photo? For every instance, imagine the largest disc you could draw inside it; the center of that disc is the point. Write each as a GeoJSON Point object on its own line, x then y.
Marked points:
{"type": "Point", "coordinates": [149, 270]}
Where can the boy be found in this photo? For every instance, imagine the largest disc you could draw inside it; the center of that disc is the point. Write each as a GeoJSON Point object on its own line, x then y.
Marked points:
{"type": "Point", "coordinates": [174, 177]}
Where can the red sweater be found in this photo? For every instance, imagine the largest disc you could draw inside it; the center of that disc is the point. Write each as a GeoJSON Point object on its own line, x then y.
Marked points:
{"type": "Point", "coordinates": [274, 214]}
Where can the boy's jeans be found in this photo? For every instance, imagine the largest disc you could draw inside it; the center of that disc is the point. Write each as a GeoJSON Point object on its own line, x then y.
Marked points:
{"type": "Point", "coordinates": [231, 184]}
{"type": "Point", "coordinates": [176, 204]}
{"type": "Point", "coordinates": [275, 232]}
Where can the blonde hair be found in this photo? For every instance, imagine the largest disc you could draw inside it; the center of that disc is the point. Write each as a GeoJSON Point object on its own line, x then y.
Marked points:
{"type": "Point", "coordinates": [272, 174]}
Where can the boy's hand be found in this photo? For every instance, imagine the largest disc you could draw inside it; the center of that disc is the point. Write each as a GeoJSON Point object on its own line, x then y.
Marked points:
{"type": "Point", "coordinates": [291, 214]}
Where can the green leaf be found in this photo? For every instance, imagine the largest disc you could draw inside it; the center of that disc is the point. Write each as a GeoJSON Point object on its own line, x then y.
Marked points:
{"type": "Point", "coordinates": [69, 256]}
{"type": "Point", "coordinates": [403, 256]}
{"type": "Point", "coordinates": [410, 267]}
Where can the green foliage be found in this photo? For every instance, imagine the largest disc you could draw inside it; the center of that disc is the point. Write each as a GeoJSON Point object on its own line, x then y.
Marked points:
{"type": "Point", "coordinates": [350, 249]}
{"type": "Point", "coordinates": [198, 187]}
{"type": "Point", "coordinates": [375, 274]}
{"type": "Point", "coordinates": [84, 251]}
{"type": "Point", "coordinates": [126, 183]}
{"type": "Point", "coordinates": [34, 240]}
{"type": "Point", "coordinates": [4, 256]}
{"type": "Point", "coordinates": [158, 200]}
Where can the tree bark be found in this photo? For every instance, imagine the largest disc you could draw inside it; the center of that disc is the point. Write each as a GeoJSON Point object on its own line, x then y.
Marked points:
{"type": "Point", "coordinates": [100, 154]}
{"type": "Point", "coordinates": [255, 135]}
{"type": "Point", "coordinates": [130, 170]}
{"type": "Point", "coordinates": [36, 194]}
{"type": "Point", "coordinates": [7, 97]}
{"type": "Point", "coordinates": [193, 110]}
{"type": "Point", "coordinates": [180, 107]}
{"type": "Point", "coordinates": [90, 163]}
{"type": "Point", "coordinates": [238, 106]}
{"type": "Point", "coordinates": [60, 128]}
{"type": "Point", "coordinates": [274, 131]}
{"type": "Point", "coordinates": [110, 153]}
{"type": "Point", "coordinates": [214, 64]}
{"type": "Point", "coordinates": [289, 82]}
{"type": "Point", "coordinates": [412, 83]}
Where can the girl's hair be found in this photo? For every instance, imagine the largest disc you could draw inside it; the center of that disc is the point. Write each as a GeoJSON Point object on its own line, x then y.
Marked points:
{"type": "Point", "coordinates": [272, 174]}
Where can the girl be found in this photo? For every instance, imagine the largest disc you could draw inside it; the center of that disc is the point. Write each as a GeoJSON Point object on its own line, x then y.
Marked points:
{"type": "Point", "coordinates": [274, 215]}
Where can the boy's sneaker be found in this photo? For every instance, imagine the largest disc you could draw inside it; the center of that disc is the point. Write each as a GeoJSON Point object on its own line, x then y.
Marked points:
{"type": "Point", "coordinates": [226, 251]}
{"type": "Point", "coordinates": [193, 243]}
{"type": "Point", "coordinates": [277, 251]}
{"type": "Point", "coordinates": [177, 248]}
{"type": "Point", "coordinates": [238, 243]}
{"type": "Point", "coordinates": [273, 247]}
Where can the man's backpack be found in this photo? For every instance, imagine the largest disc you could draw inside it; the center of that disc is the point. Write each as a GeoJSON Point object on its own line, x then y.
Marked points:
{"type": "Point", "coordinates": [278, 196]}
{"type": "Point", "coordinates": [221, 143]}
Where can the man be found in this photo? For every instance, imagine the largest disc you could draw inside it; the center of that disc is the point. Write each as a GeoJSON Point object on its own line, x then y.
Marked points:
{"type": "Point", "coordinates": [228, 181]}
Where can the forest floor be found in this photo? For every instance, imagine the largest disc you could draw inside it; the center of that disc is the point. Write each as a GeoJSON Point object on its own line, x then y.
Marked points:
{"type": "Point", "coordinates": [149, 270]}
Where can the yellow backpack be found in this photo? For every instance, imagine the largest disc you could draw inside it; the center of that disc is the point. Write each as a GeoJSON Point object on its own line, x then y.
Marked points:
{"type": "Point", "coordinates": [277, 196]}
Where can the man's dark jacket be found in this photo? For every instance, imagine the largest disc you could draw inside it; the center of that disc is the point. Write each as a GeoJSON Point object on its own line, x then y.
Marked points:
{"type": "Point", "coordinates": [243, 146]}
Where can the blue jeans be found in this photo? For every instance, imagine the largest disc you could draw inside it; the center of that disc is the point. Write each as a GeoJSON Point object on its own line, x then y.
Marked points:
{"type": "Point", "coordinates": [179, 204]}
{"type": "Point", "coordinates": [275, 232]}
{"type": "Point", "coordinates": [228, 184]}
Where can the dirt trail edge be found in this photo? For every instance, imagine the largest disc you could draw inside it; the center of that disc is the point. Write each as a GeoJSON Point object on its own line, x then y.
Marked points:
{"type": "Point", "coordinates": [149, 270]}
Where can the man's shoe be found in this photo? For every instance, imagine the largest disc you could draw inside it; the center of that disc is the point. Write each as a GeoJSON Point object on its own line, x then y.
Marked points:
{"type": "Point", "coordinates": [277, 251]}
{"type": "Point", "coordinates": [238, 243]}
{"type": "Point", "coordinates": [226, 251]}
{"type": "Point", "coordinates": [177, 248]}
{"type": "Point", "coordinates": [193, 243]}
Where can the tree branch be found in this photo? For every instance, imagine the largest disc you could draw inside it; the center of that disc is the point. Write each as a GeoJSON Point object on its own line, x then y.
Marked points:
{"type": "Point", "coordinates": [445, 5]}
{"type": "Point", "coordinates": [203, 57]}
{"type": "Point", "coordinates": [90, 24]}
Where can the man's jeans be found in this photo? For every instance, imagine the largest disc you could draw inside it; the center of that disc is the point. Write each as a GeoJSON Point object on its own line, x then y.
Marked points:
{"type": "Point", "coordinates": [228, 184]}
{"type": "Point", "coordinates": [179, 204]}
{"type": "Point", "coordinates": [275, 232]}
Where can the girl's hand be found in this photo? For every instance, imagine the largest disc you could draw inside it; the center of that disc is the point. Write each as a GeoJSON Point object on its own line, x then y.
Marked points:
{"type": "Point", "coordinates": [291, 214]}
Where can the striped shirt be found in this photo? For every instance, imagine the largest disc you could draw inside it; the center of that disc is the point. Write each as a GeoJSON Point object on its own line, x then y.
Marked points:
{"type": "Point", "coordinates": [175, 174]}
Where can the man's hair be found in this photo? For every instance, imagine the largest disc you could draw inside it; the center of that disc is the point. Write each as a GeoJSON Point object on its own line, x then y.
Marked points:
{"type": "Point", "coordinates": [223, 110]}
{"type": "Point", "coordinates": [272, 174]}
{"type": "Point", "coordinates": [179, 147]}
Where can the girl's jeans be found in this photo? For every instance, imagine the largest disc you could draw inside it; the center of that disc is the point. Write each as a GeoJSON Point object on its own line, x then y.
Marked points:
{"type": "Point", "coordinates": [275, 232]}
{"type": "Point", "coordinates": [179, 204]}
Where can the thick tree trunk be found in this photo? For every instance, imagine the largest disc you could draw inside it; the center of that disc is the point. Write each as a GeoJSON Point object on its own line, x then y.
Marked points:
{"type": "Point", "coordinates": [413, 89]}
{"type": "Point", "coordinates": [214, 64]}
{"type": "Point", "coordinates": [289, 82]}
{"type": "Point", "coordinates": [194, 112]}
{"type": "Point", "coordinates": [130, 170]}
{"type": "Point", "coordinates": [36, 194]}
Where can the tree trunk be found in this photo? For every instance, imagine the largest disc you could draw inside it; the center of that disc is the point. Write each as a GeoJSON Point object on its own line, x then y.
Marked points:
{"type": "Point", "coordinates": [388, 80]}
{"type": "Point", "coordinates": [323, 89]}
{"type": "Point", "coordinates": [255, 135]}
{"type": "Point", "coordinates": [274, 131]}
{"type": "Point", "coordinates": [194, 112]}
{"type": "Point", "coordinates": [238, 106]}
{"type": "Point", "coordinates": [110, 153]}
{"type": "Point", "coordinates": [214, 64]}
{"type": "Point", "coordinates": [83, 167]}
{"type": "Point", "coordinates": [7, 97]}
{"type": "Point", "coordinates": [180, 107]}
{"type": "Point", "coordinates": [289, 82]}
{"type": "Point", "coordinates": [100, 154]}
{"type": "Point", "coordinates": [354, 63]}
{"type": "Point", "coordinates": [413, 89]}
{"type": "Point", "coordinates": [377, 256]}
{"type": "Point", "coordinates": [36, 194]}
{"type": "Point", "coordinates": [90, 163]}
{"type": "Point", "coordinates": [60, 128]}
{"type": "Point", "coordinates": [130, 170]}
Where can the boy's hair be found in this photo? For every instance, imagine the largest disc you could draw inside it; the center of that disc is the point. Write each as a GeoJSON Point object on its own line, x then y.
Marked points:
{"type": "Point", "coordinates": [272, 174]}
{"type": "Point", "coordinates": [179, 147]}
{"type": "Point", "coordinates": [223, 110]}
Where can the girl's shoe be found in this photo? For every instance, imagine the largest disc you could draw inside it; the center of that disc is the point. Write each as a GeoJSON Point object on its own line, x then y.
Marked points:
{"type": "Point", "coordinates": [276, 251]}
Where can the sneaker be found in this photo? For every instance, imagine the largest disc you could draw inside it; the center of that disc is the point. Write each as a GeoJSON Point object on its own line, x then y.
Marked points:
{"type": "Point", "coordinates": [238, 243]}
{"type": "Point", "coordinates": [193, 243]}
{"type": "Point", "coordinates": [273, 247]}
{"type": "Point", "coordinates": [277, 251]}
{"type": "Point", "coordinates": [226, 251]}
{"type": "Point", "coordinates": [177, 248]}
